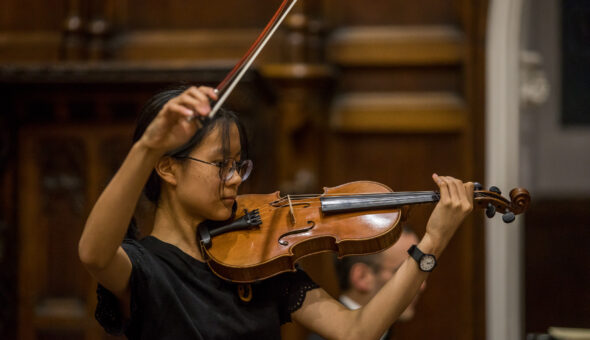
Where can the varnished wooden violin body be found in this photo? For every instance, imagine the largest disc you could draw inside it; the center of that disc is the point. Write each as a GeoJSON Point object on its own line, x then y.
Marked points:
{"type": "Point", "coordinates": [270, 233]}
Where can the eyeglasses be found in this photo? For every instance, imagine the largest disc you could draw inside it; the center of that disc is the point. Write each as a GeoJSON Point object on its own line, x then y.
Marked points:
{"type": "Point", "coordinates": [228, 168]}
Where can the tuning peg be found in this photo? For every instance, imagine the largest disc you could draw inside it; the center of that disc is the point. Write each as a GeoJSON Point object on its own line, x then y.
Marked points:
{"type": "Point", "coordinates": [490, 210]}
{"type": "Point", "coordinates": [496, 190]}
{"type": "Point", "coordinates": [477, 186]}
{"type": "Point", "coordinates": [508, 217]}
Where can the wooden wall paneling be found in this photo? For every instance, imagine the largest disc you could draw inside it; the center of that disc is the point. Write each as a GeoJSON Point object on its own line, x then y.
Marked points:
{"type": "Point", "coordinates": [66, 172]}
{"type": "Point", "coordinates": [389, 45]}
{"type": "Point", "coordinates": [75, 21]}
{"type": "Point", "coordinates": [180, 14]}
{"type": "Point", "coordinates": [478, 126]}
{"type": "Point", "coordinates": [190, 45]}
{"type": "Point", "coordinates": [27, 262]}
{"type": "Point", "coordinates": [102, 23]}
{"type": "Point", "coordinates": [395, 112]}
{"type": "Point", "coordinates": [402, 161]}
{"type": "Point", "coordinates": [31, 30]}
{"type": "Point", "coordinates": [8, 230]}
{"type": "Point", "coordinates": [300, 113]}
{"type": "Point", "coordinates": [29, 46]}
{"type": "Point", "coordinates": [387, 12]}
{"type": "Point", "coordinates": [475, 26]}
{"type": "Point", "coordinates": [408, 79]}
{"type": "Point", "coordinates": [132, 30]}
{"type": "Point", "coordinates": [31, 16]}
{"type": "Point", "coordinates": [477, 41]}
{"type": "Point", "coordinates": [194, 30]}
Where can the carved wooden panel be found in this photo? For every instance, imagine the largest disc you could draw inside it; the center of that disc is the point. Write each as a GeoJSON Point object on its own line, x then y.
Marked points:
{"type": "Point", "coordinates": [63, 169]}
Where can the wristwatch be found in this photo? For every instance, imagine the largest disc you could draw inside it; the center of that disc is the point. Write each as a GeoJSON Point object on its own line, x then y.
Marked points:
{"type": "Point", "coordinates": [426, 262]}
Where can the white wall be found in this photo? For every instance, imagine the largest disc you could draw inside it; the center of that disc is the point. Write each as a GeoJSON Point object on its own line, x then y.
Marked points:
{"type": "Point", "coordinates": [556, 160]}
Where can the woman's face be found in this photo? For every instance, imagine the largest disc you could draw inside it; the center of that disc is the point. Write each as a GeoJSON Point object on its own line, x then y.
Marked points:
{"type": "Point", "coordinates": [199, 188]}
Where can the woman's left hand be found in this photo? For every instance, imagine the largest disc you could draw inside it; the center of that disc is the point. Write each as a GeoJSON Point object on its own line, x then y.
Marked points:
{"type": "Point", "coordinates": [456, 202]}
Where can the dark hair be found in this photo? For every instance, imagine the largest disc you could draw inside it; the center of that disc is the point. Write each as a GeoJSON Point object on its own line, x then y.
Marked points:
{"type": "Point", "coordinates": [223, 119]}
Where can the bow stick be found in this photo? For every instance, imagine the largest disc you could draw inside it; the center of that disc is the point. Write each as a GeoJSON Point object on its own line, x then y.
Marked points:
{"type": "Point", "coordinates": [235, 75]}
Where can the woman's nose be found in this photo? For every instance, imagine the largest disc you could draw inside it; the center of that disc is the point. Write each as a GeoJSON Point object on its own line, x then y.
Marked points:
{"type": "Point", "coordinates": [236, 179]}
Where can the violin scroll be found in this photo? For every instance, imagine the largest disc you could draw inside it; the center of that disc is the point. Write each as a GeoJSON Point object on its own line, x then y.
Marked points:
{"type": "Point", "coordinates": [492, 201]}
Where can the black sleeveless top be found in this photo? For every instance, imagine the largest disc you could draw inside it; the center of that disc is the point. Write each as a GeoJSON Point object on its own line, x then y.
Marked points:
{"type": "Point", "coordinates": [174, 296]}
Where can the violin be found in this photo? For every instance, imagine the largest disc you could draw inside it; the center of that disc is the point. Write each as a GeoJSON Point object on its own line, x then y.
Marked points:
{"type": "Point", "coordinates": [270, 232]}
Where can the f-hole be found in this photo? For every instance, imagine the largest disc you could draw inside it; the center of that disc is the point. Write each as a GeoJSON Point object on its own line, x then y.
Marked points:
{"type": "Point", "coordinates": [294, 232]}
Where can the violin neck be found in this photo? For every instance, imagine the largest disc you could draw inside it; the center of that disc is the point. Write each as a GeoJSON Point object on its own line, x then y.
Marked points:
{"type": "Point", "coordinates": [390, 200]}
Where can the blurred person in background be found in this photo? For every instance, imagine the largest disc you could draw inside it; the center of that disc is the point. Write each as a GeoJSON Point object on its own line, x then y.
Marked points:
{"type": "Point", "coordinates": [361, 277]}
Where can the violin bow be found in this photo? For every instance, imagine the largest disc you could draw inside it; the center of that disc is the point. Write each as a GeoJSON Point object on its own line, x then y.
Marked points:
{"type": "Point", "coordinates": [235, 75]}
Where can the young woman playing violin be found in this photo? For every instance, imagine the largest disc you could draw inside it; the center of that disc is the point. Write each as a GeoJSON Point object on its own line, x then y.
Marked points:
{"type": "Point", "coordinates": [161, 288]}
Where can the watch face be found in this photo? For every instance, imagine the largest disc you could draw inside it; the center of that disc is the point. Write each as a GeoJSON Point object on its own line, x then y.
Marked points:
{"type": "Point", "coordinates": [427, 263]}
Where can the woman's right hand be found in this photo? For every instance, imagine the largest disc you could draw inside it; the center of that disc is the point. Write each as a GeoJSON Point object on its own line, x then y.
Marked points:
{"type": "Point", "coordinates": [179, 119]}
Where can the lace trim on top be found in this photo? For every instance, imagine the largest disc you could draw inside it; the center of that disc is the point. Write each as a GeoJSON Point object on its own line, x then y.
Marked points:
{"type": "Point", "coordinates": [296, 300]}
{"type": "Point", "coordinates": [108, 312]}
{"type": "Point", "coordinates": [295, 293]}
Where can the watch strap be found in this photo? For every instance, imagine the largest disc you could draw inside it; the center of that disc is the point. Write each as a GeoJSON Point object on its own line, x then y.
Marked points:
{"type": "Point", "coordinates": [415, 253]}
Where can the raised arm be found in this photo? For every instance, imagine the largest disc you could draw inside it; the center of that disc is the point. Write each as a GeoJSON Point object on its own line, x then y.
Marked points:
{"type": "Point", "coordinates": [100, 244]}
{"type": "Point", "coordinates": [327, 317]}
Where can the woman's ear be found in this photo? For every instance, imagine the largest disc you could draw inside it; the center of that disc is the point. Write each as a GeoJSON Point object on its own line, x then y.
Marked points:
{"type": "Point", "coordinates": [166, 169]}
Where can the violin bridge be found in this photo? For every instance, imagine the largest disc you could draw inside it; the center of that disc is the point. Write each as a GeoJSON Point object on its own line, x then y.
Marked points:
{"type": "Point", "coordinates": [291, 212]}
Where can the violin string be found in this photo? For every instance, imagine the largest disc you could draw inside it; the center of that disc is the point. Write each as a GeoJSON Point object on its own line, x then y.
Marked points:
{"type": "Point", "coordinates": [312, 204]}
{"type": "Point", "coordinates": [268, 207]}
{"type": "Point", "coordinates": [377, 198]}
{"type": "Point", "coordinates": [384, 194]}
{"type": "Point", "coordinates": [368, 193]}
{"type": "Point", "coordinates": [388, 194]}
